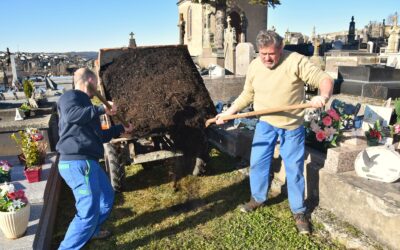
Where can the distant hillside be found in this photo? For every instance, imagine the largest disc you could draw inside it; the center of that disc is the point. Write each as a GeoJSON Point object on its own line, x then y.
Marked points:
{"type": "Point", "coordinates": [85, 54]}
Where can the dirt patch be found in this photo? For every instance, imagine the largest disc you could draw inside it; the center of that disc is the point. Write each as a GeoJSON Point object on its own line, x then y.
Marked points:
{"type": "Point", "coordinates": [159, 90]}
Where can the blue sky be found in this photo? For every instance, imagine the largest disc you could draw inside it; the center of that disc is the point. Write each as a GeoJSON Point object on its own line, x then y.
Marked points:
{"type": "Point", "coordinates": [88, 25]}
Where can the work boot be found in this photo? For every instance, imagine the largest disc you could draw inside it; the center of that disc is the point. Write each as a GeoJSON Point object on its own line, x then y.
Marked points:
{"type": "Point", "coordinates": [250, 206]}
{"type": "Point", "coordinates": [302, 223]}
{"type": "Point", "coordinates": [103, 234]}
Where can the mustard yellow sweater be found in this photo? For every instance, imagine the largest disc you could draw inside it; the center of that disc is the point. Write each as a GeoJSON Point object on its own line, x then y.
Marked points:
{"type": "Point", "coordinates": [281, 86]}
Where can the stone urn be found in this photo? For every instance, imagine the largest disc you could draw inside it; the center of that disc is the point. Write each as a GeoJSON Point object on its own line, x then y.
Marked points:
{"type": "Point", "coordinates": [14, 224]}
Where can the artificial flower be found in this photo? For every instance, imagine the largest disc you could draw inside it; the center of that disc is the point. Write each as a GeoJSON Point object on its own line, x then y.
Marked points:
{"type": "Point", "coordinates": [332, 113]}
{"type": "Point", "coordinates": [320, 135]}
{"type": "Point", "coordinates": [327, 120]}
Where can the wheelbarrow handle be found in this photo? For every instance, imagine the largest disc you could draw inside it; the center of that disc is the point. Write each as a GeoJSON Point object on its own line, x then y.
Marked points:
{"type": "Point", "coordinates": [259, 112]}
{"type": "Point", "coordinates": [105, 102]}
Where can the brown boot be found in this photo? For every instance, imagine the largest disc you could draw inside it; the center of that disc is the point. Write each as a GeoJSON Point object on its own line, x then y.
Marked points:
{"type": "Point", "coordinates": [302, 223]}
{"type": "Point", "coordinates": [250, 206]}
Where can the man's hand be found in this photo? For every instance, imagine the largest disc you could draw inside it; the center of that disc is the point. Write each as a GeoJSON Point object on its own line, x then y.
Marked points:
{"type": "Point", "coordinates": [219, 120]}
{"type": "Point", "coordinates": [319, 101]}
{"type": "Point", "coordinates": [113, 110]}
{"type": "Point", "coordinates": [129, 129]}
{"type": "Point", "coordinates": [230, 111]}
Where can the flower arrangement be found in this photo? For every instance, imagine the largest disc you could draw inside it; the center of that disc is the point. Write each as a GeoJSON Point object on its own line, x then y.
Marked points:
{"type": "Point", "coordinates": [374, 134]}
{"type": "Point", "coordinates": [324, 128]}
{"type": "Point", "coordinates": [11, 199]}
{"type": "Point", "coordinates": [5, 169]}
{"type": "Point", "coordinates": [32, 147]}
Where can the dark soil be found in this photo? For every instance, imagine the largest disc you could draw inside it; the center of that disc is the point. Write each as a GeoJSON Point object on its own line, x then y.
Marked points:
{"type": "Point", "coordinates": [159, 90]}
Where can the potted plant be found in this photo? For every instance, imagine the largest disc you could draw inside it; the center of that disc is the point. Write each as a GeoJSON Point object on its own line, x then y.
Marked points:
{"type": "Point", "coordinates": [30, 142]}
{"type": "Point", "coordinates": [5, 171]}
{"type": "Point", "coordinates": [26, 109]}
{"type": "Point", "coordinates": [374, 134]}
{"type": "Point", "coordinates": [14, 211]}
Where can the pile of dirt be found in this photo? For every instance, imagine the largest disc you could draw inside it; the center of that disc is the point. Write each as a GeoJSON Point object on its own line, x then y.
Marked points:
{"type": "Point", "coordinates": [159, 90]}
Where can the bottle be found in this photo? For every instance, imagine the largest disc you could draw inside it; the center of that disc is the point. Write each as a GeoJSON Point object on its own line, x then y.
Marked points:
{"type": "Point", "coordinates": [104, 123]}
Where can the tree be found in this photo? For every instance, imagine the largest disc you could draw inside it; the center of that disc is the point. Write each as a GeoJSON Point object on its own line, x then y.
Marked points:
{"type": "Point", "coordinates": [271, 3]}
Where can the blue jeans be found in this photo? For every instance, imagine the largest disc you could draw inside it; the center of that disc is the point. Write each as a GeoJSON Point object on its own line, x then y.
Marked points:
{"type": "Point", "coordinates": [94, 198]}
{"type": "Point", "coordinates": [292, 153]}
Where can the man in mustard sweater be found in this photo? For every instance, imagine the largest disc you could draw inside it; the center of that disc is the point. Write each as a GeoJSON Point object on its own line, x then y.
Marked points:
{"type": "Point", "coordinates": [276, 78]}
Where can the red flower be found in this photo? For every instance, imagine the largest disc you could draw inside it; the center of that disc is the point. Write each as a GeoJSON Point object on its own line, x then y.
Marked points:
{"type": "Point", "coordinates": [332, 113]}
{"type": "Point", "coordinates": [37, 137]}
{"type": "Point", "coordinates": [375, 134]}
{"type": "Point", "coordinates": [12, 196]}
{"type": "Point", "coordinates": [327, 121]}
{"type": "Point", "coordinates": [396, 128]}
{"type": "Point", "coordinates": [320, 135]}
{"type": "Point", "coordinates": [20, 194]}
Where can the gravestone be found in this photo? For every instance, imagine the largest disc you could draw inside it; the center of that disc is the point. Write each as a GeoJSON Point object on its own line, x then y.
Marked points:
{"type": "Point", "coordinates": [370, 81]}
{"type": "Point", "coordinates": [229, 46]}
{"type": "Point", "coordinates": [244, 55]}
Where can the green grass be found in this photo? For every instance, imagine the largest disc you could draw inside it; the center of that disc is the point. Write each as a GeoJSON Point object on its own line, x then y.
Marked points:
{"type": "Point", "coordinates": [201, 215]}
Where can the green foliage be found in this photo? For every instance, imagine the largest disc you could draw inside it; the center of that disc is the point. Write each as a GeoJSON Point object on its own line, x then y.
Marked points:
{"type": "Point", "coordinates": [28, 88]}
{"type": "Point", "coordinates": [397, 109]}
{"type": "Point", "coordinates": [271, 3]}
{"type": "Point", "coordinates": [33, 151]}
{"type": "Point", "coordinates": [25, 107]}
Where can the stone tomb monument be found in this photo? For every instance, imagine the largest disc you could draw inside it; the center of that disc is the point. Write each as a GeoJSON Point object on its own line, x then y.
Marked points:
{"type": "Point", "coordinates": [370, 81]}
{"type": "Point", "coordinates": [245, 53]}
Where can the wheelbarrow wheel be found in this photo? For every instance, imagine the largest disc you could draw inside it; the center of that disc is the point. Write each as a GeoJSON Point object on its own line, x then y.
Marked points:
{"type": "Point", "coordinates": [115, 169]}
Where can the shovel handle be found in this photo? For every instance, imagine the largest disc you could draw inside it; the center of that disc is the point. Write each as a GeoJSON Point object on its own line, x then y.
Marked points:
{"type": "Point", "coordinates": [105, 102]}
{"type": "Point", "coordinates": [259, 112]}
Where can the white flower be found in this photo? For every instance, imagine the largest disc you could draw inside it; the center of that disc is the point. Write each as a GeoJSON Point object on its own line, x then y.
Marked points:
{"type": "Point", "coordinates": [314, 126]}
{"type": "Point", "coordinates": [329, 131]}
{"type": "Point", "coordinates": [17, 204]}
{"type": "Point", "coordinates": [7, 188]}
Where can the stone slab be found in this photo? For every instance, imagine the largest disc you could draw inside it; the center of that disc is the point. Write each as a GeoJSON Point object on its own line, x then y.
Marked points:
{"type": "Point", "coordinates": [373, 207]}
{"type": "Point", "coordinates": [381, 91]}
{"type": "Point", "coordinates": [47, 124]}
{"type": "Point", "coordinates": [224, 89]}
{"type": "Point", "coordinates": [235, 142]}
{"type": "Point", "coordinates": [341, 159]}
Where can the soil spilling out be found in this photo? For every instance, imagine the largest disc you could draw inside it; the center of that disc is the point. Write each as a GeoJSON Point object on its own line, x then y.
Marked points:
{"type": "Point", "coordinates": [159, 90]}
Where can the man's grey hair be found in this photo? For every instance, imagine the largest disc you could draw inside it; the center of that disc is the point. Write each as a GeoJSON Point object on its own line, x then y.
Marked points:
{"type": "Point", "coordinates": [266, 38]}
{"type": "Point", "coordinates": [82, 76]}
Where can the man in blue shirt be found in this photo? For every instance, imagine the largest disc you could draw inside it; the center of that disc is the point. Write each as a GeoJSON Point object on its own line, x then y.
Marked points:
{"type": "Point", "coordinates": [80, 147]}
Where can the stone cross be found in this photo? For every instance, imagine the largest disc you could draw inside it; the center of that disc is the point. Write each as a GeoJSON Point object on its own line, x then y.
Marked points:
{"type": "Point", "coordinates": [132, 41]}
